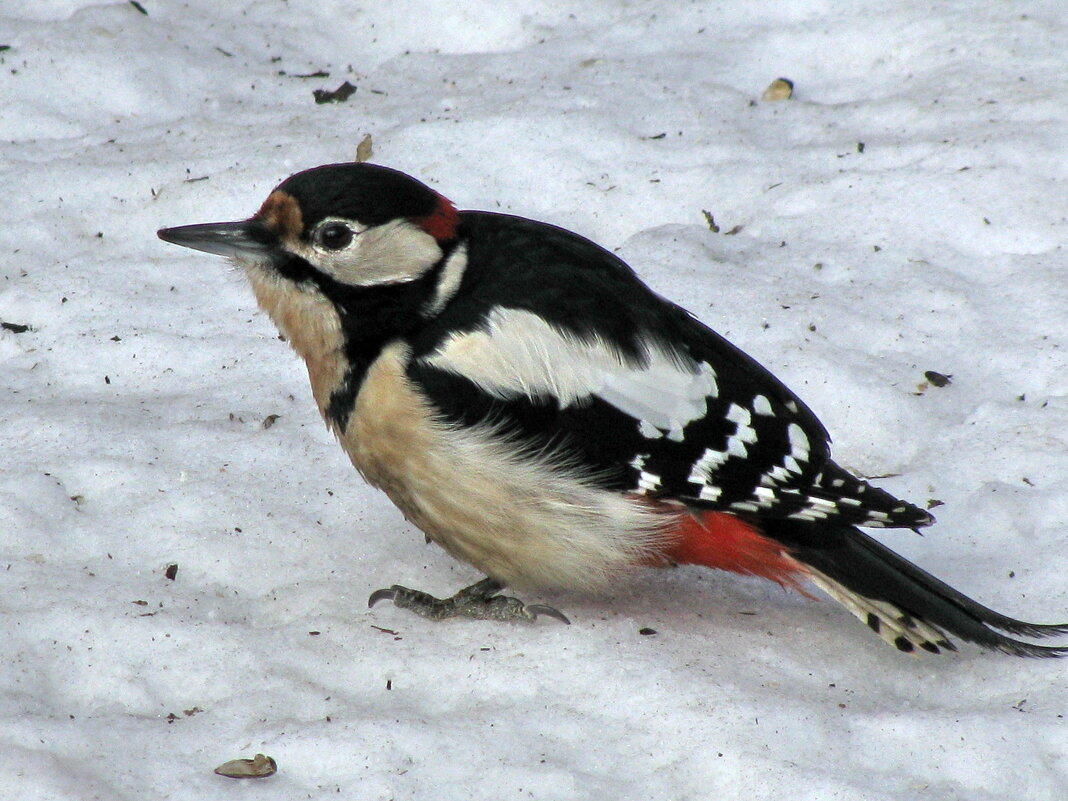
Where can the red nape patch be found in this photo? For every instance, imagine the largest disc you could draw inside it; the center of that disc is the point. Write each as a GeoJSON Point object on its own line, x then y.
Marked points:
{"type": "Point", "coordinates": [442, 222]}
{"type": "Point", "coordinates": [722, 541]}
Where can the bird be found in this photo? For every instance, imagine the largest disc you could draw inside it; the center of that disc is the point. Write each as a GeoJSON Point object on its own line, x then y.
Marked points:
{"type": "Point", "coordinates": [539, 412]}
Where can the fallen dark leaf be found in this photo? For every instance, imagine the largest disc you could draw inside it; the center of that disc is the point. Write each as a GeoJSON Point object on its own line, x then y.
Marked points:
{"type": "Point", "coordinates": [171, 572]}
{"type": "Point", "coordinates": [15, 328]}
{"type": "Point", "coordinates": [339, 95]}
{"type": "Point", "coordinates": [938, 379]}
{"type": "Point", "coordinates": [139, 7]}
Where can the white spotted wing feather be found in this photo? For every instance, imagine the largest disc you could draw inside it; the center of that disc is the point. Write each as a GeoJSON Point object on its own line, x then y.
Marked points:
{"type": "Point", "coordinates": [745, 454]}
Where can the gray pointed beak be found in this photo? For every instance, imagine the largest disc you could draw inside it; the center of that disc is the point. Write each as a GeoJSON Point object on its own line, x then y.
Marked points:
{"type": "Point", "coordinates": [248, 240]}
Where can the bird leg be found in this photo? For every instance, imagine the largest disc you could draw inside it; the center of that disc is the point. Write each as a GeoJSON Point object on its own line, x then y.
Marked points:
{"type": "Point", "coordinates": [480, 601]}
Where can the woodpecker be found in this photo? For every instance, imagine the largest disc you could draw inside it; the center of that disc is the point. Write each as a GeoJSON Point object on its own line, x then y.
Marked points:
{"type": "Point", "coordinates": [540, 413]}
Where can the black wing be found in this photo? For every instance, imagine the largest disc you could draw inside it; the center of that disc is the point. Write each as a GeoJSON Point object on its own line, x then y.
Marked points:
{"type": "Point", "coordinates": [563, 348]}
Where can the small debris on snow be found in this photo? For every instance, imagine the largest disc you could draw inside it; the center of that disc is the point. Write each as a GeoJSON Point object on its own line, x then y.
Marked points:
{"type": "Point", "coordinates": [364, 150]}
{"type": "Point", "coordinates": [779, 89]}
{"type": "Point", "coordinates": [339, 95]}
{"type": "Point", "coordinates": [938, 379]}
{"type": "Point", "coordinates": [259, 767]}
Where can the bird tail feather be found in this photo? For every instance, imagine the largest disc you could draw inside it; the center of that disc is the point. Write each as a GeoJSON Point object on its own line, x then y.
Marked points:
{"type": "Point", "coordinates": [904, 604]}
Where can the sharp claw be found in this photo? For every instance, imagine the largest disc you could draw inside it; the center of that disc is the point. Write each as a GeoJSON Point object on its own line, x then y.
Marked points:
{"type": "Point", "coordinates": [382, 595]}
{"type": "Point", "coordinates": [548, 611]}
{"type": "Point", "coordinates": [479, 602]}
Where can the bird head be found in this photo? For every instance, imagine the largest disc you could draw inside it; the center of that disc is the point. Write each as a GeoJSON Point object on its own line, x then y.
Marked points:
{"type": "Point", "coordinates": [356, 225]}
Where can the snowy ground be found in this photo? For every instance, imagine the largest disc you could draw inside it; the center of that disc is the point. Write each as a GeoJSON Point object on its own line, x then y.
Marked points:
{"type": "Point", "coordinates": [132, 407]}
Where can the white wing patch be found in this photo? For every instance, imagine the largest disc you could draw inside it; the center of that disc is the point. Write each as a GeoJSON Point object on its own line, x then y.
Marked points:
{"type": "Point", "coordinates": [762, 406]}
{"type": "Point", "coordinates": [738, 442]}
{"type": "Point", "coordinates": [703, 468]}
{"type": "Point", "coordinates": [772, 487]}
{"type": "Point", "coordinates": [520, 354]}
{"type": "Point", "coordinates": [798, 442]}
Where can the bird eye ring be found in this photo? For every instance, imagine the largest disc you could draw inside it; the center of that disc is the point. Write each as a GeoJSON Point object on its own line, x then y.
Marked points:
{"type": "Point", "coordinates": [334, 236]}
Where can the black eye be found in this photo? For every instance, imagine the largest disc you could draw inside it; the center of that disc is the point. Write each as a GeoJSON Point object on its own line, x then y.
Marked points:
{"type": "Point", "coordinates": [334, 236]}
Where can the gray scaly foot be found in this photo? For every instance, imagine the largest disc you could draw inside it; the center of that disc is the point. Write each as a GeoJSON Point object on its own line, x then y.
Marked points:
{"type": "Point", "coordinates": [480, 601]}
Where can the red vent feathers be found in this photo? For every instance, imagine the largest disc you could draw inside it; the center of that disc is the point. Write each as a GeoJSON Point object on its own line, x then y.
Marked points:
{"type": "Point", "coordinates": [725, 542]}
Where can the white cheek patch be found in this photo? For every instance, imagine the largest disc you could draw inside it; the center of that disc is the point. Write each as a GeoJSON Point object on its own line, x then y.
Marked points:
{"type": "Point", "coordinates": [394, 252]}
{"type": "Point", "coordinates": [520, 354]}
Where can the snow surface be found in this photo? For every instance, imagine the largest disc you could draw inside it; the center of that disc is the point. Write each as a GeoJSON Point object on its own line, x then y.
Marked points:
{"type": "Point", "coordinates": [131, 414]}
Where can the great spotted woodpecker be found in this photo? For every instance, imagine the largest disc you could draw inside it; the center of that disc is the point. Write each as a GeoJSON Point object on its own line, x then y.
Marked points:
{"type": "Point", "coordinates": [532, 406]}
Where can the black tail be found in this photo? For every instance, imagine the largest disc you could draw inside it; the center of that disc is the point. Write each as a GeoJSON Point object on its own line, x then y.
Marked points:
{"type": "Point", "coordinates": [905, 605]}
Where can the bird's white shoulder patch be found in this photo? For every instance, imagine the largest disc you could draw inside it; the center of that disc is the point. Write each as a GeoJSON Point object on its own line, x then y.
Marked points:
{"type": "Point", "coordinates": [452, 273]}
{"type": "Point", "coordinates": [519, 354]}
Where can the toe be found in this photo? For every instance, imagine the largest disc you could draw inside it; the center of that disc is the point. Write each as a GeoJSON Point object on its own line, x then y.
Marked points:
{"type": "Point", "coordinates": [382, 595]}
{"type": "Point", "coordinates": [548, 611]}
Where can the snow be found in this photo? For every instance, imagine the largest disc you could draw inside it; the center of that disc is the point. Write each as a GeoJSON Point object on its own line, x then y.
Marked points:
{"type": "Point", "coordinates": [131, 414]}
